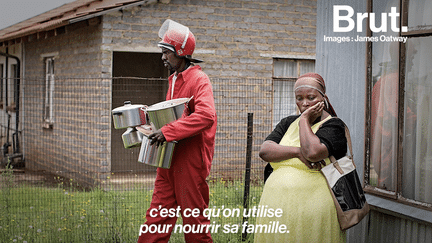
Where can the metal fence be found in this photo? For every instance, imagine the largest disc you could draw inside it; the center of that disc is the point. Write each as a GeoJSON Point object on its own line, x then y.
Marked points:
{"type": "Point", "coordinates": [46, 196]}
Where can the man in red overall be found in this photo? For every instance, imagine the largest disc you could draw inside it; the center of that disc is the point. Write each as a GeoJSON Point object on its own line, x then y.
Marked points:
{"type": "Point", "coordinates": [183, 186]}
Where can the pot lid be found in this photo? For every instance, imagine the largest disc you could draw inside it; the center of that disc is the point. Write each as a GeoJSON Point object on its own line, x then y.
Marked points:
{"type": "Point", "coordinates": [168, 104]}
{"type": "Point", "coordinates": [127, 106]}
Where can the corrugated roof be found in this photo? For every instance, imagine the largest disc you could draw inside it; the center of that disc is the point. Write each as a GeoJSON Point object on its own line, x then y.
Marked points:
{"type": "Point", "coordinates": [63, 15]}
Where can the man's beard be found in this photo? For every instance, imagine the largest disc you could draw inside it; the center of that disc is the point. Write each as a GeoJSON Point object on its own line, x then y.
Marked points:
{"type": "Point", "coordinates": [171, 68]}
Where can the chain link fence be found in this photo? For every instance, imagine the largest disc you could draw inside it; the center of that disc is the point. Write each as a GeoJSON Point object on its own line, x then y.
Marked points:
{"type": "Point", "coordinates": [71, 180]}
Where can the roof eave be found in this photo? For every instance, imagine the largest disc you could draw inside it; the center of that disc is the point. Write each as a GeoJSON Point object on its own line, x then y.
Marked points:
{"type": "Point", "coordinates": [85, 17]}
{"type": "Point", "coordinates": [50, 25]}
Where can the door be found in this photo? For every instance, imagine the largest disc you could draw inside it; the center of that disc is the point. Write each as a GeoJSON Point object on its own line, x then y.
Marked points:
{"type": "Point", "coordinates": [142, 79]}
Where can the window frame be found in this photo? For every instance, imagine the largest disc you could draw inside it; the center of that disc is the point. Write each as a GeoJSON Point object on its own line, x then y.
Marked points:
{"type": "Point", "coordinates": [298, 61]}
{"type": "Point", "coordinates": [49, 88]}
{"type": "Point", "coordinates": [11, 89]}
{"type": "Point", "coordinates": [397, 194]}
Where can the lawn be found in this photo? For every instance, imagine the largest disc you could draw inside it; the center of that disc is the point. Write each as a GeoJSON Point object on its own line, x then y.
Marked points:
{"type": "Point", "coordinates": [31, 213]}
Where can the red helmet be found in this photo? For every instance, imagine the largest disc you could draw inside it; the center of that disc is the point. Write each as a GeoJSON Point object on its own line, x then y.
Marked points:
{"type": "Point", "coordinates": [177, 38]}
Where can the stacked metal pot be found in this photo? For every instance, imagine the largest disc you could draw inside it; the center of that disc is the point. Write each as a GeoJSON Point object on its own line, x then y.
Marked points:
{"type": "Point", "coordinates": [130, 116]}
{"type": "Point", "coordinates": [140, 121]}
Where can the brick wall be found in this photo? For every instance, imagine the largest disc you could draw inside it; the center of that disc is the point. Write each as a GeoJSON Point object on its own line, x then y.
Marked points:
{"type": "Point", "coordinates": [78, 50]}
{"type": "Point", "coordinates": [77, 146]}
{"type": "Point", "coordinates": [234, 38]}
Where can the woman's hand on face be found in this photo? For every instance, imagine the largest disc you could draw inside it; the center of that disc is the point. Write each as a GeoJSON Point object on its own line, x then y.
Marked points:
{"type": "Point", "coordinates": [313, 112]}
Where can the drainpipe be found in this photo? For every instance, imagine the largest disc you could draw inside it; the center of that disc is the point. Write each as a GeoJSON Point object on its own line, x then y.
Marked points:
{"type": "Point", "coordinates": [15, 136]}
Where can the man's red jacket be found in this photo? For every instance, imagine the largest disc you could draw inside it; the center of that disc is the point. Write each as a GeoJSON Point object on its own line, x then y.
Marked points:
{"type": "Point", "coordinates": [196, 130]}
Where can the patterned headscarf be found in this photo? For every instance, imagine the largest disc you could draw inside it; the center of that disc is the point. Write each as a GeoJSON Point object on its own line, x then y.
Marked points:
{"type": "Point", "coordinates": [320, 87]}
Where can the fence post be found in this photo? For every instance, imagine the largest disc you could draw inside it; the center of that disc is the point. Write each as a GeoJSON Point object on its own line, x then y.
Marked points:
{"type": "Point", "coordinates": [248, 168]}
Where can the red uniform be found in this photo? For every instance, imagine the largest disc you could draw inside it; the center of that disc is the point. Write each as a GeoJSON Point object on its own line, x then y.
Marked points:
{"type": "Point", "coordinates": [184, 184]}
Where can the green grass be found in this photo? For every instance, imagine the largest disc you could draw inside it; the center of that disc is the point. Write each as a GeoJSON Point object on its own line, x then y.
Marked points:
{"type": "Point", "coordinates": [64, 214]}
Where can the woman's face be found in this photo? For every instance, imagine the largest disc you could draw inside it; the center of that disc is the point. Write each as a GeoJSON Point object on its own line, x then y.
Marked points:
{"type": "Point", "coordinates": [307, 97]}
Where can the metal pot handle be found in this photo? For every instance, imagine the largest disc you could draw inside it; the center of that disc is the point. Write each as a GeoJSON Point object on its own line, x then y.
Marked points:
{"type": "Point", "coordinates": [144, 109]}
{"type": "Point", "coordinates": [187, 102]}
{"type": "Point", "coordinates": [189, 99]}
{"type": "Point", "coordinates": [117, 113]}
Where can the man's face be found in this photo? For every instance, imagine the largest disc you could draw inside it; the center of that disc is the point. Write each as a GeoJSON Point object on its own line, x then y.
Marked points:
{"type": "Point", "coordinates": [171, 61]}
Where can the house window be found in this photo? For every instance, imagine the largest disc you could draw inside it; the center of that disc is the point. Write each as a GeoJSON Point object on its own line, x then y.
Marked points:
{"type": "Point", "coordinates": [49, 91]}
{"type": "Point", "coordinates": [399, 144]}
{"type": "Point", "coordinates": [11, 88]}
{"type": "Point", "coordinates": [285, 73]}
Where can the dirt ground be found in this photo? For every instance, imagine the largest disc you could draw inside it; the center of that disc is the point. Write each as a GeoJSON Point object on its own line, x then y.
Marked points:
{"type": "Point", "coordinates": [115, 181]}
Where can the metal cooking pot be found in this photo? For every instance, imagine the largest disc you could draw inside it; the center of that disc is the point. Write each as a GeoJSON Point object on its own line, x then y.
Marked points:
{"type": "Point", "coordinates": [165, 112]}
{"type": "Point", "coordinates": [132, 138]}
{"type": "Point", "coordinates": [159, 156]}
{"type": "Point", "coordinates": [129, 116]}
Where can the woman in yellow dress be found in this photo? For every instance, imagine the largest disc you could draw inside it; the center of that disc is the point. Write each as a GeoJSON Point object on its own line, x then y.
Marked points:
{"type": "Point", "coordinates": [297, 149]}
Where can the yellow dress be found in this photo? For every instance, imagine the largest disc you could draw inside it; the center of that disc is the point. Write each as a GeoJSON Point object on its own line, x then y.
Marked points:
{"type": "Point", "coordinates": [302, 194]}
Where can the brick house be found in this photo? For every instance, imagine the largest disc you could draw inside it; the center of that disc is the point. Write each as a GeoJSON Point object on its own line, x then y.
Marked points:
{"type": "Point", "coordinates": [75, 59]}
